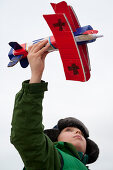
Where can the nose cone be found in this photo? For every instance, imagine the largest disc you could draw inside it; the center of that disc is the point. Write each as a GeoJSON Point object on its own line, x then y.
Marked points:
{"type": "Point", "coordinates": [99, 36]}
{"type": "Point", "coordinates": [95, 36]}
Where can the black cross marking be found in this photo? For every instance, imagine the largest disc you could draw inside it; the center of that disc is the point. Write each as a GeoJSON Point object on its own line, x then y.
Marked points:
{"type": "Point", "coordinates": [74, 68]}
{"type": "Point", "coordinates": [60, 24]}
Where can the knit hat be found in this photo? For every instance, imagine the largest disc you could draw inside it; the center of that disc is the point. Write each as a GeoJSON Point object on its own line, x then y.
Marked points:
{"type": "Point", "coordinates": [92, 149]}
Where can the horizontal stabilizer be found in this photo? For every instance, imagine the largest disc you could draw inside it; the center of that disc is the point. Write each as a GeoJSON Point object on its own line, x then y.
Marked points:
{"type": "Point", "coordinates": [15, 45]}
{"type": "Point", "coordinates": [14, 60]}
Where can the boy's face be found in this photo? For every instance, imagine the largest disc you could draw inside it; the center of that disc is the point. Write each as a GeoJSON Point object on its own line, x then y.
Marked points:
{"type": "Point", "coordinates": [74, 136]}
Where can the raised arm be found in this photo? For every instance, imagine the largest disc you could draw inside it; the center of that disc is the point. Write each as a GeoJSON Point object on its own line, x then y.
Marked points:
{"type": "Point", "coordinates": [35, 149]}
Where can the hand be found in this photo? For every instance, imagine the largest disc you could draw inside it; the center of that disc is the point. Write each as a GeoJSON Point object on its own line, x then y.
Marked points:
{"type": "Point", "coordinates": [36, 57]}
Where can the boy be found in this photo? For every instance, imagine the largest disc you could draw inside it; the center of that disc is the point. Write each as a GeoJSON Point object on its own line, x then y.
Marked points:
{"type": "Point", "coordinates": [72, 149]}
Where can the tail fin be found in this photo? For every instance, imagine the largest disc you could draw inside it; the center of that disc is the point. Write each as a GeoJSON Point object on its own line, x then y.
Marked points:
{"type": "Point", "coordinates": [15, 45]}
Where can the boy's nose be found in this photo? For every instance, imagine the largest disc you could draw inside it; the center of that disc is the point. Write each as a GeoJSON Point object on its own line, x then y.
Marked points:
{"type": "Point", "coordinates": [78, 131]}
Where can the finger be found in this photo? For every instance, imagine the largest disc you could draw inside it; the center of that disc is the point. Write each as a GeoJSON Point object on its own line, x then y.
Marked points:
{"type": "Point", "coordinates": [39, 46]}
{"type": "Point", "coordinates": [32, 47]}
{"type": "Point", "coordinates": [44, 49]}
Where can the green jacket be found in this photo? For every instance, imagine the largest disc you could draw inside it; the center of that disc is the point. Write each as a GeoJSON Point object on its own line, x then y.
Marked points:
{"type": "Point", "coordinates": [37, 151]}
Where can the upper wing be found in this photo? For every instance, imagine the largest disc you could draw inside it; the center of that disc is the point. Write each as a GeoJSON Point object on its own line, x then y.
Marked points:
{"type": "Point", "coordinates": [63, 8]}
{"type": "Point", "coordinates": [75, 65]}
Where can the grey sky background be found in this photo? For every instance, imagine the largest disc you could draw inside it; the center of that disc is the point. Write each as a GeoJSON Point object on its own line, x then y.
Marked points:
{"type": "Point", "coordinates": [91, 102]}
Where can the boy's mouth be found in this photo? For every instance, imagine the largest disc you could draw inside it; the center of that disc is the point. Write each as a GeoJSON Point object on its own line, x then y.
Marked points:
{"type": "Point", "coordinates": [77, 136]}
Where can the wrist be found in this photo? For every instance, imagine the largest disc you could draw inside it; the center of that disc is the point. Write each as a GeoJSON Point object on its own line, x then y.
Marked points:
{"type": "Point", "coordinates": [35, 79]}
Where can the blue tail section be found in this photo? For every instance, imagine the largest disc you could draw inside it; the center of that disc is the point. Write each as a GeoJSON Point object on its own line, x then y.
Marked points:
{"type": "Point", "coordinates": [14, 60]}
{"type": "Point", "coordinates": [15, 45]}
{"type": "Point", "coordinates": [11, 54]}
{"type": "Point", "coordinates": [24, 62]}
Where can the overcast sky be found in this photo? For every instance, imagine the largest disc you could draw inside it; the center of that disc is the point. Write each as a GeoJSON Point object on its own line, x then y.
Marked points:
{"type": "Point", "coordinates": [91, 102]}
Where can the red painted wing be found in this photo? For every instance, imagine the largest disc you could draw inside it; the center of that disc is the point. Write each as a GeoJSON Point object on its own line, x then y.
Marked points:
{"type": "Point", "coordinates": [75, 66]}
{"type": "Point", "coordinates": [83, 47]}
{"type": "Point", "coordinates": [69, 12]}
{"type": "Point", "coordinates": [63, 8]}
{"type": "Point", "coordinates": [74, 17]}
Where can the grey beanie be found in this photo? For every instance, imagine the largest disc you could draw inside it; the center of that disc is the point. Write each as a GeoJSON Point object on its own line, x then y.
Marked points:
{"type": "Point", "coordinates": [92, 149]}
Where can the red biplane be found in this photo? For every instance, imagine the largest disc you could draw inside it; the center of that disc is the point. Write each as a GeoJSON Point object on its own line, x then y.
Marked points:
{"type": "Point", "coordinates": [68, 37]}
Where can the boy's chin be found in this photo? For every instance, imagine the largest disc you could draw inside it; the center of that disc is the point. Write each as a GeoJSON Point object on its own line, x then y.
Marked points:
{"type": "Point", "coordinates": [79, 147]}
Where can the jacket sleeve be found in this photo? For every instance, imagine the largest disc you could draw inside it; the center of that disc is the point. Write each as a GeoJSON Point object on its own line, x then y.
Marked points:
{"type": "Point", "coordinates": [35, 148]}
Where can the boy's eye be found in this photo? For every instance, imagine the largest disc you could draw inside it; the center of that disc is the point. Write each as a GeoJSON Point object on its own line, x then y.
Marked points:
{"type": "Point", "coordinates": [68, 129]}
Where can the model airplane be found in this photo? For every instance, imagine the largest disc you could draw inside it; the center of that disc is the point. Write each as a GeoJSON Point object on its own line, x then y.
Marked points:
{"type": "Point", "coordinates": [68, 37]}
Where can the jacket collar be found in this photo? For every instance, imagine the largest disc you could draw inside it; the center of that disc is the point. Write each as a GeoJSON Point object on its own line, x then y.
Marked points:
{"type": "Point", "coordinates": [70, 149]}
